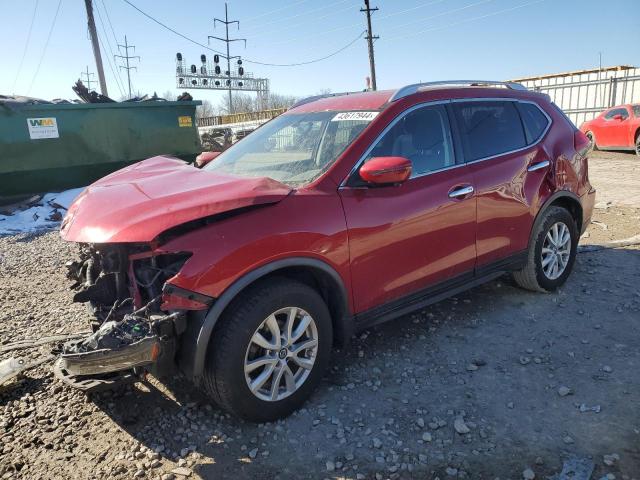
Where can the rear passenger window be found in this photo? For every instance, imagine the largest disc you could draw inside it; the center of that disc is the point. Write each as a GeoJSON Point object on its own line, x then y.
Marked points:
{"type": "Point", "coordinates": [489, 128]}
{"type": "Point", "coordinates": [534, 121]}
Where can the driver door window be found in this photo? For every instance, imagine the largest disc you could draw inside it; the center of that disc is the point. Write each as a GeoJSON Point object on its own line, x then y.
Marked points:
{"type": "Point", "coordinates": [423, 136]}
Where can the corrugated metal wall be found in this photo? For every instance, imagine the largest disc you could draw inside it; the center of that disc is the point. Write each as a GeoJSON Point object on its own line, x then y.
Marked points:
{"type": "Point", "coordinates": [583, 95]}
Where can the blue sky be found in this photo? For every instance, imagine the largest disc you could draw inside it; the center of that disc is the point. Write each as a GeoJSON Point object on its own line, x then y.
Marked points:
{"type": "Point", "coordinates": [420, 40]}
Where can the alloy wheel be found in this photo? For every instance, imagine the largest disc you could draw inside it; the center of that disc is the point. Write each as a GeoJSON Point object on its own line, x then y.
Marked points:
{"type": "Point", "coordinates": [556, 250]}
{"type": "Point", "coordinates": [281, 354]}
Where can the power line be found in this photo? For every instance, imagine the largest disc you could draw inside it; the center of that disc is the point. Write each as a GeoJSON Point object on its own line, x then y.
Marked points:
{"type": "Point", "coordinates": [441, 14]}
{"type": "Point", "coordinates": [324, 32]}
{"type": "Point", "coordinates": [246, 60]}
{"type": "Point", "coordinates": [171, 29]}
{"type": "Point", "coordinates": [286, 7]}
{"type": "Point", "coordinates": [290, 26]}
{"type": "Point", "coordinates": [498, 12]}
{"type": "Point", "coordinates": [393, 14]}
{"type": "Point", "coordinates": [115, 38]}
{"type": "Point", "coordinates": [343, 27]}
{"type": "Point", "coordinates": [26, 46]}
{"type": "Point", "coordinates": [44, 50]}
{"type": "Point", "coordinates": [115, 71]}
{"type": "Point", "coordinates": [283, 19]}
{"type": "Point", "coordinates": [360, 35]}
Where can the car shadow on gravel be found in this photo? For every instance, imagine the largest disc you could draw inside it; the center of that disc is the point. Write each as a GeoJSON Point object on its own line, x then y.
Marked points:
{"type": "Point", "coordinates": [16, 391]}
{"type": "Point", "coordinates": [471, 384]}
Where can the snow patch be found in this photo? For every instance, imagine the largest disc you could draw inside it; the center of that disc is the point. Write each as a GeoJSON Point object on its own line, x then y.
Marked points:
{"type": "Point", "coordinates": [46, 214]}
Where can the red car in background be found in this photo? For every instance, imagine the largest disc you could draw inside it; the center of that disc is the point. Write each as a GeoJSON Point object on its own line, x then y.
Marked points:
{"type": "Point", "coordinates": [615, 129]}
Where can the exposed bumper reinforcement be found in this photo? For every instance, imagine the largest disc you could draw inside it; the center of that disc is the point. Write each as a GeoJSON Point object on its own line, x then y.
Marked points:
{"type": "Point", "coordinates": [95, 383]}
{"type": "Point", "coordinates": [137, 354]}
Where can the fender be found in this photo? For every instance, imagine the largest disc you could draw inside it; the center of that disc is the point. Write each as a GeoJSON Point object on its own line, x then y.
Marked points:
{"type": "Point", "coordinates": [547, 204]}
{"type": "Point", "coordinates": [211, 319]}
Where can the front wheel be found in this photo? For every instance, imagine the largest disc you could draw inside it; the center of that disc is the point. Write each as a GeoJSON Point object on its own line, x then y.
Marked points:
{"type": "Point", "coordinates": [638, 145]}
{"type": "Point", "coordinates": [552, 252]}
{"type": "Point", "coordinates": [269, 351]}
{"type": "Point", "coordinates": [592, 139]}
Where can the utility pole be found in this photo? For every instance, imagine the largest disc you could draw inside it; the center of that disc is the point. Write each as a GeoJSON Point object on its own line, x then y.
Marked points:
{"type": "Point", "coordinates": [370, 38]}
{"type": "Point", "coordinates": [126, 57]}
{"type": "Point", "coordinates": [88, 78]}
{"type": "Point", "coordinates": [96, 46]}
{"type": "Point", "coordinates": [228, 40]}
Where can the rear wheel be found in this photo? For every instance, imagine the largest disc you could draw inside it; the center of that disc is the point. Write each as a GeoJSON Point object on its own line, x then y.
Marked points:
{"type": "Point", "coordinates": [638, 144]}
{"type": "Point", "coordinates": [269, 351]}
{"type": "Point", "coordinates": [552, 252]}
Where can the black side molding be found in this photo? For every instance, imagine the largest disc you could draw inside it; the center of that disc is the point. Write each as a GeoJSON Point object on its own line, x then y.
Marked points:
{"type": "Point", "coordinates": [439, 292]}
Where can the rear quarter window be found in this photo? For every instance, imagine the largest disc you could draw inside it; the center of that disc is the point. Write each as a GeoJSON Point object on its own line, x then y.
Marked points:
{"type": "Point", "coordinates": [489, 128]}
{"type": "Point", "coordinates": [534, 121]}
{"type": "Point", "coordinates": [636, 110]}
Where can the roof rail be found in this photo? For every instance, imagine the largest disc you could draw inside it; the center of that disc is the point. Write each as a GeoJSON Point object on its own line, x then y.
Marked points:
{"type": "Point", "coordinates": [410, 89]}
{"type": "Point", "coordinates": [313, 98]}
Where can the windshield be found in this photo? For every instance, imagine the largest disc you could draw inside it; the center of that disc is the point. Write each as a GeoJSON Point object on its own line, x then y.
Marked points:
{"type": "Point", "coordinates": [293, 148]}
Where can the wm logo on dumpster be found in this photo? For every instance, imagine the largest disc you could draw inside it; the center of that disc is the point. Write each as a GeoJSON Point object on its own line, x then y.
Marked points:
{"type": "Point", "coordinates": [42, 122]}
{"type": "Point", "coordinates": [42, 128]}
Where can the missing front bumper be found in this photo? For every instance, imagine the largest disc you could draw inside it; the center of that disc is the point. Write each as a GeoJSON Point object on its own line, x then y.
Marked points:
{"type": "Point", "coordinates": [124, 349]}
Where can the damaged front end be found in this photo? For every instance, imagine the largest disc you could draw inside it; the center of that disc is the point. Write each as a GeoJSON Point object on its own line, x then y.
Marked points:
{"type": "Point", "coordinates": [137, 320]}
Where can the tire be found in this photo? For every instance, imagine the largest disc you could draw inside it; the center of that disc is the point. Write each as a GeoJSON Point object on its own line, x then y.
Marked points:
{"type": "Point", "coordinates": [232, 346]}
{"type": "Point", "coordinates": [638, 144]}
{"type": "Point", "coordinates": [534, 276]}
{"type": "Point", "coordinates": [592, 138]}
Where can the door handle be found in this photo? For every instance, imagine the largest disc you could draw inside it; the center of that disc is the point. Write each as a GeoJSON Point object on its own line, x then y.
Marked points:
{"type": "Point", "coordinates": [537, 166]}
{"type": "Point", "coordinates": [461, 191]}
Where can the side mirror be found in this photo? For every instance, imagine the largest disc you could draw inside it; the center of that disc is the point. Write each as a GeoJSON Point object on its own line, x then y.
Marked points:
{"type": "Point", "coordinates": [204, 158]}
{"type": "Point", "coordinates": [386, 170]}
{"type": "Point", "coordinates": [618, 117]}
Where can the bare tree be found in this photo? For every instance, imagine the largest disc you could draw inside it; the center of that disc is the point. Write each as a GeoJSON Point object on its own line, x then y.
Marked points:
{"type": "Point", "coordinates": [205, 110]}
{"type": "Point", "coordinates": [278, 100]}
{"type": "Point", "coordinates": [169, 95]}
{"type": "Point", "coordinates": [242, 103]}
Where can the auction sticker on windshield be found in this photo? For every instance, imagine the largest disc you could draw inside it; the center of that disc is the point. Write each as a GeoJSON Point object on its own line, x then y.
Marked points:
{"type": "Point", "coordinates": [365, 116]}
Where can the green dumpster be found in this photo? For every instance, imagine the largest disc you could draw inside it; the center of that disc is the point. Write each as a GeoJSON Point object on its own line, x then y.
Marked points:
{"type": "Point", "coordinates": [49, 147]}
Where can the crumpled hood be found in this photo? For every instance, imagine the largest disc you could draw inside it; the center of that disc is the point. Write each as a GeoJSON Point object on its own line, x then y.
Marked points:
{"type": "Point", "coordinates": [138, 202]}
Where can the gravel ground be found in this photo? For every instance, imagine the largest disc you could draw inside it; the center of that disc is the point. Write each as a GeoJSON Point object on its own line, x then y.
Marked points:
{"type": "Point", "coordinates": [495, 383]}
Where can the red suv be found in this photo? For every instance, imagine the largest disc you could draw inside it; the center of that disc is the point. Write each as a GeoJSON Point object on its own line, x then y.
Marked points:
{"type": "Point", "coordinates": [344, 212]}
{"type": "Point", "coordinates": [615, 129]}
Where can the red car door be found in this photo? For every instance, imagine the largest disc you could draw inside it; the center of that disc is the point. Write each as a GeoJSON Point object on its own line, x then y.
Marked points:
{"type": "Point", "coordinates": [405, 238]}
{"type": "Point", "coordinates": [506, 172]}
{"type": "Point", "coordinates": [613, 129]}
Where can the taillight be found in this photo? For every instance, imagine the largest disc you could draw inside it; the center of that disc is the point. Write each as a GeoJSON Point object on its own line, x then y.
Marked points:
{"type": "Point", "coordinates": [582, 144]}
